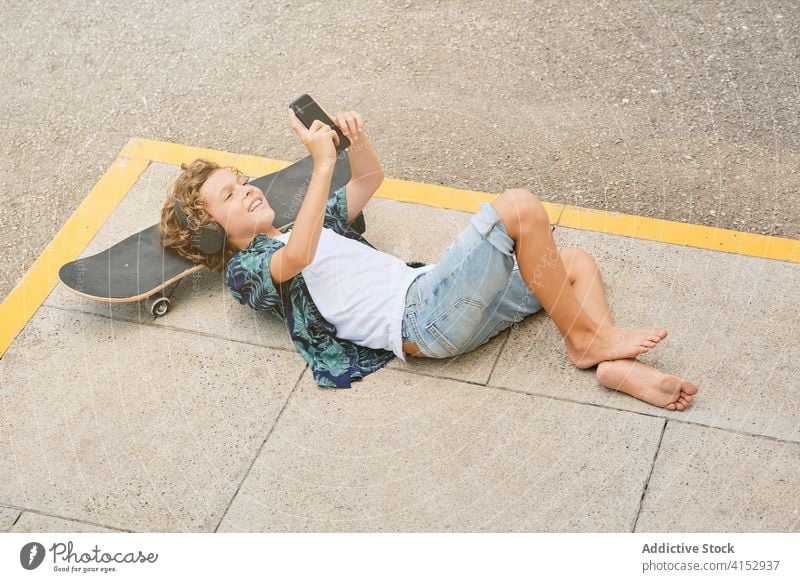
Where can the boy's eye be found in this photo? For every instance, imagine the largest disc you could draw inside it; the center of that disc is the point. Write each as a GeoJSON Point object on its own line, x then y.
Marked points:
{"type": "Point", "coordinates": [245, 181]}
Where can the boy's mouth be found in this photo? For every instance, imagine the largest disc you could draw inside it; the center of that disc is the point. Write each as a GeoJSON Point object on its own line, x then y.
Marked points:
{"type": "Point", "coordinates": [256, 205]}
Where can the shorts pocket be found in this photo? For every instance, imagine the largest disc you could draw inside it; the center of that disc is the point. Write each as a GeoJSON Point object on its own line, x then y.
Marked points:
{"type": "Point", "coordinates": [454, 329]}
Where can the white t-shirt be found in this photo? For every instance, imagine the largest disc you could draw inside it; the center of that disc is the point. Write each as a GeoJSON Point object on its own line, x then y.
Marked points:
{"type": "Point", "coordinates": [360, 290]}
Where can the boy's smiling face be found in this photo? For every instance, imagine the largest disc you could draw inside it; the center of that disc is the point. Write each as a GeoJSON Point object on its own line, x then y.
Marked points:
{"type": "Point", "coordinates": [240, 208]}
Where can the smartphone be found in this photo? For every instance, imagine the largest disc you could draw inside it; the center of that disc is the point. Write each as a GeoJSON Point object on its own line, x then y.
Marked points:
{"type": "Point", "coordinates": [307, 110]}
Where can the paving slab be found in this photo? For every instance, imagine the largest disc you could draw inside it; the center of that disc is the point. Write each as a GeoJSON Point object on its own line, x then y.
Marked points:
{"type": "Point", "coordinates": [8, 515]}
{"type": "Point", "coordinates": [31, 522]}
{"type": "Point", "coordinates": [712, 480]}
{"type": "Point", "coordinates": [137, 427]}
{"type": "Point", "coordinates": [402, 452]}
{"type": "Point", "coordinates": [732, 322]}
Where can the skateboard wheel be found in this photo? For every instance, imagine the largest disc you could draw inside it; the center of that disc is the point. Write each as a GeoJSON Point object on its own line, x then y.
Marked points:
{"type": "Point", "coordinates": [158, 305]}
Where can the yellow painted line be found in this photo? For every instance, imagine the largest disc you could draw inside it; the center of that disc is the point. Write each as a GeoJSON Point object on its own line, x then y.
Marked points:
{"type": "Point", "coordinates": [682, 233]}
{"type": "Point", "coordinates": [655, 229]}
{"type": "Point", "coordinates": [164, 152]}
{"type": "Point", "coordinates": [40, 280]}
{"type": "Point", "coordinates": [393, 189]}
{"type": "Point", "coordinates": [134, 158]}
{"type": "Point", "coordinates": [445, 197]}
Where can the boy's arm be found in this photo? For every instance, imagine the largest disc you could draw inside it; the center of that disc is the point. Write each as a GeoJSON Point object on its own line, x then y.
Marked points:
{"type": "Point", "coordinates": [366, 173]}
{"type": "Point", "coordinates": [304, 239]}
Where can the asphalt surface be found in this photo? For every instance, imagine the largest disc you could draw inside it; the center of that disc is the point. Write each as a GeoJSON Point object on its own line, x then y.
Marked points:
{"type": "Point", "coordinates": [674, 109]}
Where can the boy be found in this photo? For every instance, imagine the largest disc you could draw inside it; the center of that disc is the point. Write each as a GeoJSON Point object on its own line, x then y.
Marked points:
{"type": "Point", "coordinates": [351, 308]}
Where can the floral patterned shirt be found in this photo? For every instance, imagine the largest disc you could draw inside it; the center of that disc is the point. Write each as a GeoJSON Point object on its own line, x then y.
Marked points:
{"type": "Point", "coordinates": [334, 362]}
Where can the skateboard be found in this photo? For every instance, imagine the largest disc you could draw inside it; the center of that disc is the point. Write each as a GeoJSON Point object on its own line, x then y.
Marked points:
{"type": "Point", "coordinates": [140, 268]}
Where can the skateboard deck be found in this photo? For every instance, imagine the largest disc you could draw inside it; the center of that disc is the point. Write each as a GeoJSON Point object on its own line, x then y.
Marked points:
{"type": "Point", "coordinates": [139, 267]}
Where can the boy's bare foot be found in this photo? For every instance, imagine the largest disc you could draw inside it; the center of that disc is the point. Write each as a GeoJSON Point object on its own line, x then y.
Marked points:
{"type": "Point", "coordinates": [611, 343]}
{"type": "Point", "coordinates": [646, 383]}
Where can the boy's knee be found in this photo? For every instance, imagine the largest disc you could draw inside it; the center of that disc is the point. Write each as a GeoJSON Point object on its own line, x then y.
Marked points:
{"type": "Point", "coordinates": [521, 209]}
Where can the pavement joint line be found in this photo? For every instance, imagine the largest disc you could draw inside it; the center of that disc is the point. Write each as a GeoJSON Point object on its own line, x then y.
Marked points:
{"type": "Point", "coordinates": [19, 515]}
{"type": "Point", "coordinates": [261, 447]}
{"type": "Point", "coordinates": [63, 517]}
{"type": "Point", "coordinates": [137, 154]}
{"type": "Point", "coordinates": [160, 326]}
{"type": "Point", "coordinates": [639, 412]}
{"type": "Point", "coordinates": [560, 214]}
{"type": "Point", "coordinates": [649, 475]}
{"type": "Point", "coordinates": [497, 356]}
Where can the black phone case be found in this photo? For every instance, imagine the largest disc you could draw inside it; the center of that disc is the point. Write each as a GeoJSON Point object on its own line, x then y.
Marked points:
{"type": "Point", "coordinates": [307, 110]}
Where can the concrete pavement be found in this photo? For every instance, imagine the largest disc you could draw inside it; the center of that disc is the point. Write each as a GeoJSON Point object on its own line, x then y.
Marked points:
{"type": "Point", "coordinates": [206, 419]}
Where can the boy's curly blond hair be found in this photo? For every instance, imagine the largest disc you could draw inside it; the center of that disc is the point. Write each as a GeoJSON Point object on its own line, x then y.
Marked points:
{"type": "Point", "coordinates": [174, 235]}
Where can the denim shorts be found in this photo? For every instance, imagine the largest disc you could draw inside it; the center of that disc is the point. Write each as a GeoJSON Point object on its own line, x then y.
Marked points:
{"type": "Point", "coordinates": [473, 293]}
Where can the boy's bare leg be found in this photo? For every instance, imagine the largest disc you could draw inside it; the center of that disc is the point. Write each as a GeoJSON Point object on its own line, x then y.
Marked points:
{"type": "Point", "coordinates": [627, 375]}
{"type": "Point", "coordinates": [540, 265]}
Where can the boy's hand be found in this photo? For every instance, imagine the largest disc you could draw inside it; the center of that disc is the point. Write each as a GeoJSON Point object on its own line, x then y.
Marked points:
{"type": "Point", "coordinates": [320, 140]}
{"type": "Point", "coordinates": [350, 124]}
